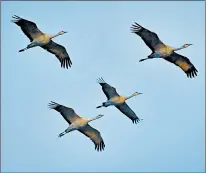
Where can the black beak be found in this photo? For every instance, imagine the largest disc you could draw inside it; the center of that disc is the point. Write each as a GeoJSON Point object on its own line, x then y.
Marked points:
{"type": "Point", "coordinates": [140, 93]}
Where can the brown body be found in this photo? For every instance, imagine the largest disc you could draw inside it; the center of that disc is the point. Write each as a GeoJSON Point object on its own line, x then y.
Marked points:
{"type": "Point", "coordinates": [160, 50]}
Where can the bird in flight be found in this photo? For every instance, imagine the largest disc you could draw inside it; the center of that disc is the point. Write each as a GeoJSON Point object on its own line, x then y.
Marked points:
{"type": "Point", "coordinates": [160, 50]}
{"type": "Point", "coordinates": [79, 123]}
{"type": "Point", "coordinates": [114, 99]}
{"type": "Point", "coordinates": [38, 38]}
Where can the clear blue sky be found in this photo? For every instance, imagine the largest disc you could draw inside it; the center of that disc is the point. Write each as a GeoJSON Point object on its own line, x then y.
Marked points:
{"type": "Point", "coordinates": [171, 137]}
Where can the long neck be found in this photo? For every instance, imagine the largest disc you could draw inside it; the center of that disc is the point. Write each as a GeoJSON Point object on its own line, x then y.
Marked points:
{"type": "Point", "coordinates": [175, 49]}
{"type": "Point", "coordinates": [53, 36]}
{"type": "Point", "coordinates": [129, 97]}
{"type": "Point", "coordinates": [92, 119]}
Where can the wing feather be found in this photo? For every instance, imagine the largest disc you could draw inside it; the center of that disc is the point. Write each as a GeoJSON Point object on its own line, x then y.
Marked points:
{"type": "Point", "coordinates": [108, 90]}
{"type": "Point", "coordinates": [94, 135]}
{"type": "Point", "coordinates": [126, 110]}
{"type": "Point", "coordinates": [68, 113]}
{"type": "Point", "coordinates": [184, 63]}
{"type": "Point", "coordinates": [151, 39]}
{"type": "Point", "coordinates": [29, 28]}
{"type": "Point", "coordinates": [60, 52]}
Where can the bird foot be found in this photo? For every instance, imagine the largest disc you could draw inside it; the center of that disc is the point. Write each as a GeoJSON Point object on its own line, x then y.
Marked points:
{"type": "Point", "coordinates": [21, 50]}
{"type": "Point", "coordinates": [61, 134]}
{"type": "Point", "coordinates": [141, 60]}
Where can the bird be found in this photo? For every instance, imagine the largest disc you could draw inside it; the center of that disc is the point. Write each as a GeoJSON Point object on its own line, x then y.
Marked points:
{"type": "Point", "coordinates": [38, 38]}
{"type": "Point", "coordinates": [114, 99]}
{"type": "Point", "coordinates": [160, 50]}
{"type": "Point", "coordinates": [79, 123]}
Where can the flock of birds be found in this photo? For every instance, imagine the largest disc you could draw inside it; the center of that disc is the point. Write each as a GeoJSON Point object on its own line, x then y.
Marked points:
{"type": "Point", "coordinates": [151, 39]}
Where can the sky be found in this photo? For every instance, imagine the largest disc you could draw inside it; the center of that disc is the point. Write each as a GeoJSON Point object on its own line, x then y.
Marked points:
{"type": "Point", "coordinates": [171, 137]}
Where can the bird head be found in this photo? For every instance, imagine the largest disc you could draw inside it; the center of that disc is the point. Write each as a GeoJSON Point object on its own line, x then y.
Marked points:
{"type": "Point", "coordinates": [99, 116]}
{"type": "Point", "coordinates": [186, 45]}
{"type": "Point", "coordinates": [62, 32]}
{"type": "Point", "coordinates": [137, 93]}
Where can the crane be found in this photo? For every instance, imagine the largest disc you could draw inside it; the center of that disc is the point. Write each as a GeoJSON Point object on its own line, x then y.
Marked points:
{"type": "Point", "coordinates": [38, 38]}
{"type": "Point", "coordinates": [79, 123]}
{"type": "Point", "coordinates": [160, 50]}
{"type": "Point", "coordinates": [114, 99]}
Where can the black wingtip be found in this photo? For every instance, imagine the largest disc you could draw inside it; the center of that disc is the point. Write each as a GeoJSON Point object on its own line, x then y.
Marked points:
{"type": "Point", "coordinates": [66, 63]}
{"type": "Point", "coordinates": [52, 105]}
{"type": "Point", "coordinates": [100, 146]}
{"type": "Point", "coordinates": [192, 72]}
{"type": "Point", "coordinates": [101, 81]}
{"type": "Point", "coordinates": [135, 28]}
{"type": "Point", "coordinates": [16, 17]}
{"type": "Point", "coordinates": [137, 120]}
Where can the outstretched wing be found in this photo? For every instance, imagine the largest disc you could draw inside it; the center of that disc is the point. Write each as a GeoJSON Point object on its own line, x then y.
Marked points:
{"type": "Point", "coordinates": [126, 110]}
{"type": "Point", "coordinates": [60, 52]}
{"type": "Point", "coordinates": [184, 63]}
{"type": "Point", "coordinates": [95, 136]}
{"type": "Point", "coordinates": [29, 28]}
{"type": "Point", "coordinates": [68, 113]}
{"type": "Point", "coordinates": [151, 39]}
{"type": "Point", "coordinates": [108, 90]}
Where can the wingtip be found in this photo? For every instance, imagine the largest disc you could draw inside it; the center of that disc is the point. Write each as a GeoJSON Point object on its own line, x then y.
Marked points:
{"type": "Point", "coordinates": [100, 147]}
{"type": "Point", "coordinates": [66, 63]}
{"type": "Point", "coordinates": [192, 72]}
{"type": "Point", "coordinates": [137, 120]}
{"type": "Point", "coordinates": [100, 80]}
{"type": "Point", "coordinates": [52, 105]}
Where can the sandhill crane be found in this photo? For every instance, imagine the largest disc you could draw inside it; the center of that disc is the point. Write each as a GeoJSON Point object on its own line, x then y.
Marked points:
{"type": "Point", "coordinates": [114, 99]}
{"type": "Point", "coordinates": [160, 50]}
{"type": "Point", "coordinates": [79, 123]}
{"type": "Point", "coordinates": [38, 38]}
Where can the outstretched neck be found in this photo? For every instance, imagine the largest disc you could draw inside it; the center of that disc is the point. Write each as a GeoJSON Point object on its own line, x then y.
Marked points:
{"type": "Point", "coordinates": [175, 49]}
{"type": "Point", "coordinates": [129, 97]}
{"type": "Point", "coordinates": [53, 36]}
{"type": "Point", "coordinates": [92, 119]}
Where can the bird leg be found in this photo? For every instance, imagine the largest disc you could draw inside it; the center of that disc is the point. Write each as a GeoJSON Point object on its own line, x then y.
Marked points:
{"type": "Point", "coordinates": [105, 104]}
{"type": "Point", "coordinates": [23, 49]}
{"type": "Point", "coordinates": [33, 44]}
{"type": "Point", "coordinates": [62, 134]}
{"type": "Point", "coordinates": [99, 106]}
{"type": "Point", "coordinates": [69, 129]}
{"type": "Point", "coordinates": [143, 59]}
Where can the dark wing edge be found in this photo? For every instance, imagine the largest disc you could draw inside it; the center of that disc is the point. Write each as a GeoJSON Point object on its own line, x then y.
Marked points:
{"type": "Point", "coordinates": [68, 113]}
{"type": "Point", "coordinates": [151, 39]}
{"type": "Point", "coordinates": [184, 63]}
{"type": "Point", "coordinates": [95, 136]}
{"type": "Point", "coordinates": [126, 110]}
{"type": "Point", "coordinates": [29, 28]}
{"type": "Point", "coordinates": [108, 90]}
{"type": "Point", "coordinates": [60, 52]}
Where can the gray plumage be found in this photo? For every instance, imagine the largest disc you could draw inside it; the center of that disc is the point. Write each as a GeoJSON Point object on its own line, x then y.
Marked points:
{"type": "Point", "coordinates": [38, 38]}
{"type": "Point", "coordinates": [70, 116]}
{"type": "Point", "coordinates": [160, 50]}
{"type": "Point", "coordinates": [110, 93]}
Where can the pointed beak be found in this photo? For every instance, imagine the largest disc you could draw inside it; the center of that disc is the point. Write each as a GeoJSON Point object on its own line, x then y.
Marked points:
{"type": "Point", "coordinates": [140, 93]}
{"type": "Point", "coordinates": [190, 44]}
{"type": "Point", "coordinates": [65, 32]}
